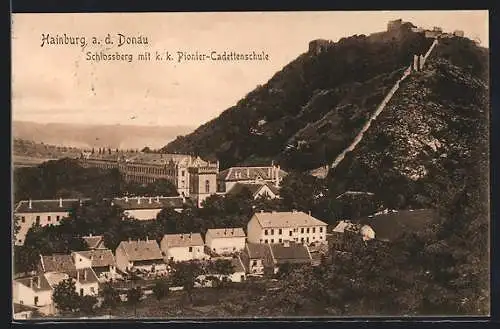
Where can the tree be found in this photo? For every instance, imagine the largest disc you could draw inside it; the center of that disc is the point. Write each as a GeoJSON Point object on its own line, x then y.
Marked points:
{"type": "Point", "coordinates": [160, 289]}
{"type": "Point", "coordinates": [185, 275]}
{"type": "Point", "coordinates": [65, 296]}
{"type": "Point", "coordinates": [111, 297]}
{"type": "Point", "coordinates": [87, 304]}
{"type": "Point", "coordinates": [134, 296]}
{"type": "Point", "coordinates": [25, 259]}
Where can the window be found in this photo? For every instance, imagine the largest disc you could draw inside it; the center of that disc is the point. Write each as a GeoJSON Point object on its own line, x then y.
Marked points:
{"type": "Point", "coordinates": [266, 241]}
{"type": "Point", "coordinates": [265, 232]}
{"type": "Point", "coordinates": [314, 238]}
{"type": "Point", "coordinates": [19, 241]}
{"type": "Point", "coordinates": [37, 220]}
{"type": "Point", "coordinates": [182, 173]}
{"type": "Point", "coordinates": [260, 240]}
{"type": "Point", "coordinates": [23, 219]}
{"type": "Point", "coordinates": [302, 230]}
{"type": "Point", "coordinates": [36, 300]}
{"type": "Point", "coordinates": [307, 239]}
{"type": "Point", "coordinates": [321, 238]}
{"type": "Point", "coordinates": [314, 229]}
{"type": "Point", "coordinates": [308, 230]}
{"type": "Point", "coordinates": [48, 218]}
{"type": "Point", "coordinates": [207, 186]}
{"type": "Point", "coordinates": [280, 232]}
{"type": "Point", "coordinates": [280, 240]}
{"type": "Point", "coordinates": [272, 240]}
{"type": "Point", "coordinates": [254, 263]}
{"type": "Point", "coordinates": [272, 231]}
{"type": "Point", "coordinates": [301, 239]}
{"type": "Point", "coordinates": [92, 290]}
{"type": "Point", "coordinates": [190, 249]}
{"type": "Point", "coordinates": [58, 218]}
{"type": "Point", "coordinates": [321, 230]}
{"type": "Point", "coordinates": [81, 291]}
{"type": "Point", "coordinates": [290, 233]}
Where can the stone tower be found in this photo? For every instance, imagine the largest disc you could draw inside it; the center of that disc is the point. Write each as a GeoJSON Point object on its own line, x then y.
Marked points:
{"type": "Point", "coordinates": [202, 182]}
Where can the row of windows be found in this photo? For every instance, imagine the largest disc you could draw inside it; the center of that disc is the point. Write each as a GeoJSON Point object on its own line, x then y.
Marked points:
{"type": "Point", "coordinates": [37, 219]}
{"type": "Point", "coordinates": [295, 239]}
{"type": "Point", "coordinates": [307, 230]}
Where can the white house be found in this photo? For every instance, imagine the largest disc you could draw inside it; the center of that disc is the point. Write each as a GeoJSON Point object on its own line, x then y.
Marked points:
{"type": "Point", "coordinates": [42, 212]}
{"type": "Point", "coordinates": [141, 255]}
{"type": "Point", "coordinates": [102, 261]}
{"type": "Point", "coordinates": [32, 291]}
{"type": "Point", "coordinates": [86, 281]}
{"type": "Point", "coordinates": [277, 227]}
{"type": "Point", "coordinates": [183, 247]}
{"type": "Point", "coordinates": [226, 179]}
{"type": "Point", "coordinates": [256, 257]}
{"type": "Point", "coordinates": [225, 240]}
{"type": "Point", "coordinates": [257, 190]}
{"type": "Point", "coordinates": [147, 208]}
{"type": "Point", "coordinates": [238, 274]}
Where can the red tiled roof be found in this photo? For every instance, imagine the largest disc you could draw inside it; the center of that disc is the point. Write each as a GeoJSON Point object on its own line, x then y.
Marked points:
{"type": "Point", "coordinates": [293, 253]}
{"type": "Point", "coordinates": [236, 232]}
{"type": "Point", "coordinates": [183, 240]}
{"type": "Point", "coordinates": [37, 282]}
{"type": "Point", "coordinates": [141, 250]}
{"type": "Point", "coordinates": [58, 263]}
{"type": "Point", "coordinates": [98, 257]}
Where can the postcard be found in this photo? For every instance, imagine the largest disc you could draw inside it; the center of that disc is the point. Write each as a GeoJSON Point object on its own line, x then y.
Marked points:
{"type": "Point", "coordinates": [242, 165]}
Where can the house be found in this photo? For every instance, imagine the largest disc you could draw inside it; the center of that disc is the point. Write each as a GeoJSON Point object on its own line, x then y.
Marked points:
{"type": "Point", "coordinates": [238, 272]}
{"type": "Point", "coordinates": [41, 212]}
{"type": "Point", "coordinates": [226, 179]}
{"type": "Point", "coordinates": [32, 291]}
{"type": "Point", "coordinates": [256, 257]}
{"type": "Point", "coordinates": [102, 261]}
{"type": "Point", "coordinates": [183, 247]}
{"type": "Point", "coordinates": [256, 190]}
{"type": "Point", "coordinates": [147, 208]}
{"type": "Point", "coordinates": [344, 236]}
{"type": "Point", "coordinates": [225, 240]}
{"type": "Point", "coordinates": [140, 255]}
{"type": "Point", "coordinates": [289, 252]}
{"type": "Point", "coordinates": [389, 225]}
{"type": "Point", "coordinates": [59, 267]}
{"type": "Point", "coordinates": [277, 227]}
{"type": "Point", "coordinates": [94, 241]}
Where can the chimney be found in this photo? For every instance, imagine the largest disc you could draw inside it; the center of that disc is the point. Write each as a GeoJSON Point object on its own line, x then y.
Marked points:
{"type": "Point", "coordinates": [90, 234]}
{"type": "Point", "coordinates": [60, 202]}
{"type": "Point", "coordinates": [29, 204]}
{"type": "Point", "coordinates": [147, 238]}
{"type": "Point", "coordinates": [277, 176]}
{"type": "Point", "coordinates": [139, 200]}
{"type": "Point", "coordinates": [85, 275]}
{"type": "Point", "coordinates": [129, 240]}
{"type": "Point", "coordinates": [158, 199]}
{"type": "Point", "coordinates": [261, 211]}
{"type": "Point", "coordinates": [149, 200]}
{"type": "Point", "coordinates": [190, 235]}
{"type": "Point", "coordinates": [294, 211]}
{"type": "Point", "coordinates": [309, 213]}
{"type": "Point", "coordinates": [31, 283]}
{"type": "Point", "coordinates": [126, 199]}
{"type": "Point", "coordinates": [248, 172]}
{"type": "Point", "coordinates": [81, 202]}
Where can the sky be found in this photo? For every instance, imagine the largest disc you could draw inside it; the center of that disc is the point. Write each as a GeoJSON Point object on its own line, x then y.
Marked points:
{"type": "Point", "coordinates": [56, 83]}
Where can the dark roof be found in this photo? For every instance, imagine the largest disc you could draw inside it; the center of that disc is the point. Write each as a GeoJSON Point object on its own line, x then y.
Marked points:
{"type": "Point", "coordinates": [291, 253]}
{"type": "Point", "coordinates": [44, 284]}
{"type": "Point", "coordinates": [249, 173]}
{"type": "Point", "coordinates": [99, 257]}
{"type": "Point", "coordinates": [59, 205]}
{"type": "Point", "coordinates": [141, 250]}
{"type": "Point", "coordinates": [235, 261]}
{"type": "Point", "coordinates": [254, 188]}
{"type": "Point", "coordinates": [232, 232]}
{"type": "Point", "coordinates": [257, 250]}
{"type": "Point", "coordinates": [127, 203]}
{"type": "Point", "coordinates": [389, 226]}
{"type": "Point", "coordinates": [58, 263]}
{"type": "Point", "coordinates": [94, 242]}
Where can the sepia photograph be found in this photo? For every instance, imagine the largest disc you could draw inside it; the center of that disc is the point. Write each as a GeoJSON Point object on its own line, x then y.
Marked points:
{"type": "Point", "coordinates": [243, 165]}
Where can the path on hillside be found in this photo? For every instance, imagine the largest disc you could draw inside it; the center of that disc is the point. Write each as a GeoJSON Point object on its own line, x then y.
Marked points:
{"type": "Point", "coordinates": [322, 172]}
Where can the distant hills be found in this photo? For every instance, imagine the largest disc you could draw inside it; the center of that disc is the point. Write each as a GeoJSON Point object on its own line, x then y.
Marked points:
{"type": "Point", "coordinates": [86, 135]}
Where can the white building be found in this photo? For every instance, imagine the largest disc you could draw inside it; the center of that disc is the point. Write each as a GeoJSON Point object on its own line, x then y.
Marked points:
{"type": "Point", "coordinates": [141, 255]}
{"type": "Point", "coordinates": [238, 274]}
{"type": "Point", "coordinates": [32, 291]}
{"type": "Point", "coordinates": [147, 208]}
{"type": "Point", "coordinates": [102, 261]}
{"type": "Point", "coordinates": [257, 190]}
{"type": "Point", "coordinates": [225, 240]}
{"type": "Point", "coordinates": [183, 247]}
{"type": "Point", "coordinates": [41, 212]}
{"type": "Point", "coordinates": [226, 179]}
{"type": "Point", "coordinates": [277, 227]}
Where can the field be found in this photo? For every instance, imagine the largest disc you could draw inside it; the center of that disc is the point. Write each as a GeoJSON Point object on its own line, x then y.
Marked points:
{"type": "Point", "coordinates": [27, 161]}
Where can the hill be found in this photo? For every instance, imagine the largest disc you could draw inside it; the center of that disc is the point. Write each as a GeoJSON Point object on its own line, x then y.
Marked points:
{"type": "Point", "coordinates": [87, 136]}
